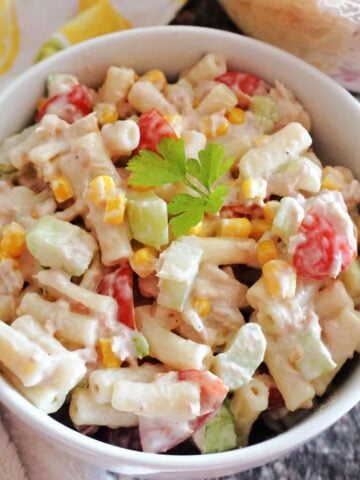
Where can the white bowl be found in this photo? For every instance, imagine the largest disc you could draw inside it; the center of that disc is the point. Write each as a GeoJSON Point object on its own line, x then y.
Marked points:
{"type": "Point", "coordinates": [336, 120]}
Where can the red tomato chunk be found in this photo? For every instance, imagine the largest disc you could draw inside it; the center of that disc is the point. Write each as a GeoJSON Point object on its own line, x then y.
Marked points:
{"type": "Point", "coordinates": [68, 106]}
{"type": "Point", "coordinates": [316, 255]}
{"type": "Point", "coordinates": [153, 127]}
{"type": "Point", "coordinates": [119, 285]}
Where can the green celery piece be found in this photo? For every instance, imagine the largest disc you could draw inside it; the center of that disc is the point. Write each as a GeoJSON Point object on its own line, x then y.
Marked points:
{"type": "Point", "coordinates": [315, 359]}
{"type": "Point", "coordinates": [266, 110]}
{"type": "Point", "coordinates": [148, 219]}
{"type": "Point", "coordinates": [288, 218]}
{"type": "Point", "coordinates": [219, 434]}
{"type": "Point", "coordinates": [351, 279]}
{"type": "Point", "coordinates": [179, 265]}
{"type": "Point", "coordinates": [309, 173]}
{"type": "Point", "coordinates": [61, 245]}
{"type": "Point", "coordinates": [141, 345]}
{"type": "Point", "coordinates": [245, 353]}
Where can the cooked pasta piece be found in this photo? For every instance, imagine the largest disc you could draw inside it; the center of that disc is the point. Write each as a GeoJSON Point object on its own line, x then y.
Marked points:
{"type": "Point", "coordinates": [247, 404]}
{"type": "Point", "coordinates": [171, 349]}
{"type": "Point", "coordinates": [84, 410]}
{"type": "Point", "coordinates": [117, 84]}
{"type": "Point", "coordinates": [170, 400]}
{"type": "Point", "coordinates": [59, 319]}
{"type": "Point", "coordinates": [207, 68]}
{"type": "Point", "coordinates": [144, 96]}
{"type": "Point", "coordinates": [25, 358]}
{"type": "Point", "coordinates": [101, 382]}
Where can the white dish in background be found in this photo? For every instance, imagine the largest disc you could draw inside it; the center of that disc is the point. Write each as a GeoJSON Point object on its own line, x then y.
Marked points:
{"type": "Point", "coordinates": [336, 117]}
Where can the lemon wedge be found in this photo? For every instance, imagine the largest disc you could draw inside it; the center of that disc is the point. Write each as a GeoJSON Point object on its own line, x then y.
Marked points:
{"type": "Point", "coordinates": [98, 19]}
{"type": "Point", "coordinates": [9, 35]}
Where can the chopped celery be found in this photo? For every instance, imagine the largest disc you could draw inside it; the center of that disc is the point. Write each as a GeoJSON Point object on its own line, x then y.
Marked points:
{"type": "Point", "coordinates": [351, 279]}
{"type": "Point", "coordinates": [61, 245]}
{"type": "Point", "coordinates": [141, 345]}
{"type": "Point", "coordinates": [179, 265]}
{"type": "Point", "coordinates": [266, 111]}
{"type": "Point", "coordinates": [238, 363]}
{"type": "Point", "coordinates": [309, 174]}
{"type": "Point", "coordinates": [219, 434]}
{"type": "Point", "coordinates": [314, 358]}
{"type": "Point", "coordinates": [148, 220]}
{"type": "Point", "coordinates": [288, 218]}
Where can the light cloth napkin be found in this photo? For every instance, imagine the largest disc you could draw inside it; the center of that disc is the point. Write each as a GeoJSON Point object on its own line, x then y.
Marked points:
{"type": "Point", "coordinates": [26, 455]}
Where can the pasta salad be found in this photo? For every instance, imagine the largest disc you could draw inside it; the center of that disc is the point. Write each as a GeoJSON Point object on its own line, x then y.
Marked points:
{"type": "Point", "coordinates": [175, 260]}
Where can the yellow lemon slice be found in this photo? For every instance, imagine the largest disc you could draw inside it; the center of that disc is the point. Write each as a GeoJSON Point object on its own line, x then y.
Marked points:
{"type": "Point", "coordinates": [98, 19]}
{"type": "Point", "coordinates": [9, 35]}
{"type": "Point", "coordinates": [84, 4]}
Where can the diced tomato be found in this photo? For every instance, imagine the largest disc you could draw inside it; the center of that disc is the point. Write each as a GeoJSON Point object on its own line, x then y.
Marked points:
{"type": "Point", "coordinates": [153, 127]}
{"type": "Point", "coordinates": [67, 106]}
{"type": "Point", "coordinates": [241, 210]}
{"type": "Point", "coordinates": [321, 249]}
{"type": "Point", "coordinates": [119, 285]}
{"type": "Point", "coordinates": [276, 400]}
{"type": "Point", "coordinates": [242, 84]}
{"type": "Point", "coordinates": [212, 392]}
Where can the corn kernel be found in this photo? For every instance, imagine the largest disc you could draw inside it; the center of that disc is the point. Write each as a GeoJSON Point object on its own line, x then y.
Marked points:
{"type": "Point", "coordinates": [62, 189]}
{"type": "Point", "coordinates": [156, 77]}
{"type": "Point", "coordinates": [329, 184]}
{"type": "Point", "coordinates": [270, 209]}
{"type": "Point", "coordinates": [115, 209]}
{"type": "Point", "coordinates": [3, 256]}
{"type": "Point", "coordinates": [222, 129]}
{"type": "Point", "coordinates": [258, 227]}
{"type": "Point", "coordinates": [99, 189]}
{"type": "Point", "coordinates": [236, 116]}
{"type": "Point", "coordinates": [212, 128]}
{"type": "Point", "coordinates": [280, 279]}
{"type": "Point", "coordinates": [253, 188]}
{"type": "Point", "coordinates": [143, 261]}
{"type": "Point", "coordinates": [106, 113]}
{"type": "Point", "coordinates": [261, 140]}
{"type": "Point", "coordinates": [107, 356]}
{"type": "Point", "coordinates": [197, 229]}
{"type": "Point", "coordinates": [202, 306]}
{"type": "Point", "coordinates": [234, 227]}
{"type": "Point", "coordinates": [13, 240]}
{"type": "Point", "coordinates": [265, 251]}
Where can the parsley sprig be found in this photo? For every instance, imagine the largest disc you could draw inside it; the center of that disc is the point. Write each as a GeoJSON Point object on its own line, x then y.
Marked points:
{"type": "Point", "coordinates": [170, 165]}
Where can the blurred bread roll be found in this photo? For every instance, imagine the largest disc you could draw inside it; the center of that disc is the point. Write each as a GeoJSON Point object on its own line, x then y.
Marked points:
{"type": "Point", "coordinates": [322, 32]}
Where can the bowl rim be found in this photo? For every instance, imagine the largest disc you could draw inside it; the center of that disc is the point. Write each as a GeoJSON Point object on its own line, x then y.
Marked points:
{"type": "Point", "coordinates": [253, 454]}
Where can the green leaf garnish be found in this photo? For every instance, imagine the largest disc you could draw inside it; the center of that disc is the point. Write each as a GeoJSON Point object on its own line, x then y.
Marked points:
{"type": "Point", "coordinates": [171, 166]}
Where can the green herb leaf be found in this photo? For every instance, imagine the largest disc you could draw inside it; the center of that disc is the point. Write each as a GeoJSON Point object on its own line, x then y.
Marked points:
{"type": "Point", "coordinates": [173, 151]}
{"type": "Point", "coordinates": [149, 168]}
{"type": "Point", "coordinates": [169, 165]}
{"type": "Point", "coordinates": [183, 202]}
{"type": "Point", "coordinates": [212, 165]}
{"type": "Point", "coordinates": [216, 199]}
{"type": "Point", "coordinates": [189, 210]}
{"type": "Point", "coordinates": [181, 224]}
